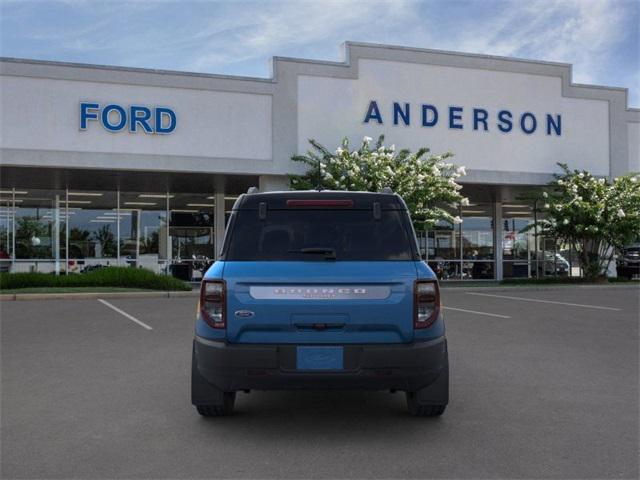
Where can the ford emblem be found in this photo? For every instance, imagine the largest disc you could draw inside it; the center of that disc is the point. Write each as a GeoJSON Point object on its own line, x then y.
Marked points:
{"type": "Point", "coordinates": [244, 313]}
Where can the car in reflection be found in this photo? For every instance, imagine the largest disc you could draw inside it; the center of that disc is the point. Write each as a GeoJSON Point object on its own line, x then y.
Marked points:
{"type": "Point", "coordinates": [628, 263]}
{"type": "Point", "coordinates": [554, 264]}
{"type": "Point", "coordinates": [5, 261]}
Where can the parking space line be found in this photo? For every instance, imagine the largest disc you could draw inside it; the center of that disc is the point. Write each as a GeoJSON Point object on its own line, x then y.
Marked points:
{"type": "Point", "coordinates": [125, 314]}
{"type": "Point", "coordinates": [523, 299]}
{"type": "Point", "coordinates": [477, 313]}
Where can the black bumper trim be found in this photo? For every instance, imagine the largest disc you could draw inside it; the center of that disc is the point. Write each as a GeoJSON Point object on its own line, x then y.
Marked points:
{"type": "Point", "coordinates": [409, 367]}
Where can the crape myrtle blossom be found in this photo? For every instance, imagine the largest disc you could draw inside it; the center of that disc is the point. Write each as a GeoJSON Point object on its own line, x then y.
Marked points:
{"type": "Point", "coordinates": [426, 182]}
{"type": "Point", "coordinates": [595, 216]}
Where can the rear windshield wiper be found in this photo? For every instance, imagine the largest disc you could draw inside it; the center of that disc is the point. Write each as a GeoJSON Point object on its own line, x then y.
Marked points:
{"type": "Point", "coordinates": [328, 252]}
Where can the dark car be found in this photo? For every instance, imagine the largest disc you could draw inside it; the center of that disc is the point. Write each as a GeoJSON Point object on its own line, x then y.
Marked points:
{"type": "Point", "coordinates": [628, 263]}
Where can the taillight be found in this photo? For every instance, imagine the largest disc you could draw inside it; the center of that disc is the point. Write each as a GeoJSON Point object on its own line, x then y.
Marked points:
{"type": "Point", "coordinates": [213, 303]}
{"type": "Point", "coordinates": [426, 303]}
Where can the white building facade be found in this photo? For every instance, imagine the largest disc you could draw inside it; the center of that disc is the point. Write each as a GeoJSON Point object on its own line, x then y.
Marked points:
{"type": "Point", "coordinates": [119, 166]}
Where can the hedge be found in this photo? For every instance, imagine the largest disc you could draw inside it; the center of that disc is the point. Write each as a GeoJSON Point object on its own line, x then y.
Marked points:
{"type": "Point", "coordinates": [102, 277]}
{"type": "Point", "coordinates": [563, 281]}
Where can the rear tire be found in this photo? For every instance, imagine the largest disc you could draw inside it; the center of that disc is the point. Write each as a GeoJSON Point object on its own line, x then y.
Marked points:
{"type": "Point", "coordinates": [219, 410]}
{"type": "Point", "coordinates": [418, 410]}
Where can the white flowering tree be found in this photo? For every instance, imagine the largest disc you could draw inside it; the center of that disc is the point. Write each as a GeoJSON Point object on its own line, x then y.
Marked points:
{"type": "Point", "coordinates": [595, 216]}
{"type": "Point", "coordinates": [426, 182]}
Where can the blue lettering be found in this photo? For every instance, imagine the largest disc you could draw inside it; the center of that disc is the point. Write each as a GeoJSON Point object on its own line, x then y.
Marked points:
{"type": "Point", "coordinates": [399, 112]}
{"type": "Point", "coordinates": [523, 123]}
{"type": "Point", "coordinates": [373, 112]}
{"type": "Point", "coordinates": [139, 115]}
{"type": "Point", "coordinates": [86, 114]}
{"type": "Point", "coordinates": [505, 124]}
{"type": "Point", "coordinates": [162, 112]}
{"type": "Point", "coordinates": [455, 113]}
{"type": "Point", "coordinates": [480, 116]}
{"type": "Point", "coordinates": [105, 118]}
{"type": "Point", "coordinates": [556, 125]}
{"type": "Point", "coordinates": [425, 115]}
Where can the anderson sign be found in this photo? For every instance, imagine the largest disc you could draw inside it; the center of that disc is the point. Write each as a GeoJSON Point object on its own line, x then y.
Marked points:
{"type": "Point", "coordinates": [460, 118]}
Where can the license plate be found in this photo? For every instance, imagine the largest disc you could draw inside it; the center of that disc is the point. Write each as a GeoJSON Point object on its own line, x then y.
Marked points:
{"type": "Point", "coordinates": [320, 358]}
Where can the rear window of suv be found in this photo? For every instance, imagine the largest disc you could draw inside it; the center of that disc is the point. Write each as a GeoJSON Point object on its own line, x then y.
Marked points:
{"type": "Point", "coordinates": [312, 234]}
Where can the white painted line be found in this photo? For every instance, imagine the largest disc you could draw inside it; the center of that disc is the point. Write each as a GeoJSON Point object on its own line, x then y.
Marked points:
{"type": "Point", "coordinates": [477, 313]}
{"type": "Point", "coordinates": [523, 299]}
{"type": "Point", "coordinates": [125, 314]}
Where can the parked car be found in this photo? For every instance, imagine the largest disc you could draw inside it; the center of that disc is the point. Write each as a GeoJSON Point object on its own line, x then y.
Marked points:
{"type": "Point", "coordinates": [628, 263]}
{"type": "Point", "coordinates": [5, 261]}
{"type": "Point", "coordinates": [553, 264]}
{"type": "Point", "coordinates": [318, 290]}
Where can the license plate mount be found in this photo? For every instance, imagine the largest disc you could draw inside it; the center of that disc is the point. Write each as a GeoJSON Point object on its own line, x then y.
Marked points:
{"type": "Point", "coordinates": [320, 358]}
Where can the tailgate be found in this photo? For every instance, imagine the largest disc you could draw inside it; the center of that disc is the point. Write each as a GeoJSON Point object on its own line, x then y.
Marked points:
{"type": "Point", "coordinates": [319, 302]}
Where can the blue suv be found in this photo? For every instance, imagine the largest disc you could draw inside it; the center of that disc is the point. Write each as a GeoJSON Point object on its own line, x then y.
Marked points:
{"type": "Point", "coordinates": [315, 290]}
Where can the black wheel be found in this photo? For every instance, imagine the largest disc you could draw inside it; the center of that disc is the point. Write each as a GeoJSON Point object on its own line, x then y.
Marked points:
{"type": "Point", "coordinates": [229, 399]}
{"type": "Point", "coordinates": [418, 410]}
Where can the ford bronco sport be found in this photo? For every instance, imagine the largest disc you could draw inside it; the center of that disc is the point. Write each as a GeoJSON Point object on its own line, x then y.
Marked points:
{"type": "Point", "coordinates": [317, 290]}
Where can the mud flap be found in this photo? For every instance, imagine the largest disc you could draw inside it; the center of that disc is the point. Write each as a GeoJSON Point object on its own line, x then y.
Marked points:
{"type": "Point", "coordinates": [438, 392]}
{"type": "Point", "coordinates": [202, 392]}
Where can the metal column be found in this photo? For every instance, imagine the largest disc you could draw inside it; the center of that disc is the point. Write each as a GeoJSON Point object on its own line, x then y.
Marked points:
{"type": "Point", "coordinates": [497, 239]}
{"type": "Point", "coordinates": [219, 217]}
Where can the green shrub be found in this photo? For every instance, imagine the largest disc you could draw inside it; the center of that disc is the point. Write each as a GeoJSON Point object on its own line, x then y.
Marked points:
{"type": "Point", "coordinates": [102, 277]}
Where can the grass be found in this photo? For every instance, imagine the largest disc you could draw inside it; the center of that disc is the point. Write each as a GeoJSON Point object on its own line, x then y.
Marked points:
{"type": "Point", "coordinates": [125, 278]}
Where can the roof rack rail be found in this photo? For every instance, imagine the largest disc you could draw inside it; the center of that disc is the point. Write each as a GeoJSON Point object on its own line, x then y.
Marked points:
{"type": "Point", "coordinates": [253, 190]}
{"type": "Point", "coordinates": [387, 190]}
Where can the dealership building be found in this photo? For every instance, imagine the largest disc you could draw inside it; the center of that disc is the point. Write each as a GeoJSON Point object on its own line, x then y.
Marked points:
{"type": "Point", "coordinates": [105, 165]}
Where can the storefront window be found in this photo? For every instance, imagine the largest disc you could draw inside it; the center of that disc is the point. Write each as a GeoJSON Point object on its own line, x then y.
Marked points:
{"type": "Point", "coordinates": [73, 231]}
{"type": "Point", "coordinates": [92, 230]}
{"type": "Point", "coordinates": [443, 248]}
{"type": "Point", "coordinates": [228, 206]}
{"type": "Point", "coordinates": [477, 242]}
{"type": "Point", "coordinates": [463, 251]}
{"type": "Point", "coordinates": [518, 240]}
{"type": "Point", "coordinates": [39, 221]}
{"type": "Point", "coordinates": [144, 229]}
{"type": "Point", "coordinates": [6, 230]}
{"type": "Point", "coordinates": [192, 234]}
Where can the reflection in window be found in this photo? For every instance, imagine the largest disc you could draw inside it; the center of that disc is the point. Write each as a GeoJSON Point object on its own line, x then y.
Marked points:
{"type": "Point", "coordinates": [518, 240]}
{"type": "Point", "coordinates": [92, 229]}
{"type": "Point", "coordinates": [6, 230]}
{"type": "Point", "coordinates": [143, 229]}
{"type": "Point", "coordinates": [36, 214]}
{"type": "Point", "coordinates": [477, 232]}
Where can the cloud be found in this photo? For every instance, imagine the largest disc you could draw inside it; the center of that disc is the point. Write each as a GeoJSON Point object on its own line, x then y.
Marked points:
{"type": "Point", "coordinates": [277, 26]}
{"type": "Point", "coordinates": [599, 37]}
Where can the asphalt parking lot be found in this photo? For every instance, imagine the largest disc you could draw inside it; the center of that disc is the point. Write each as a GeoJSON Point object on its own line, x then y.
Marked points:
{"type": "Point", "coordinates": [544, 384]}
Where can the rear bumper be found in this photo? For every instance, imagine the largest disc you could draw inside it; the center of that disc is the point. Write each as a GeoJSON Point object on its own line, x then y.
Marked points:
{"type": "Point", "coordinates": [408, 367]}
{"type": "Point", "coordinates": [628, 270]}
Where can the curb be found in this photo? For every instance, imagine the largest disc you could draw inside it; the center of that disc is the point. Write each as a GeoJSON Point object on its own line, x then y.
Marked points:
{"type": "Point", "coordinates": [510, 288]}
{"type": "Point", "coordinates": [94, 295]}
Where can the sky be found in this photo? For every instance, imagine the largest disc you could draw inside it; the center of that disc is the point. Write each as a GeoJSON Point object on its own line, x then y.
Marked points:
{"type": "Point", "coordinates": [601, 38]}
